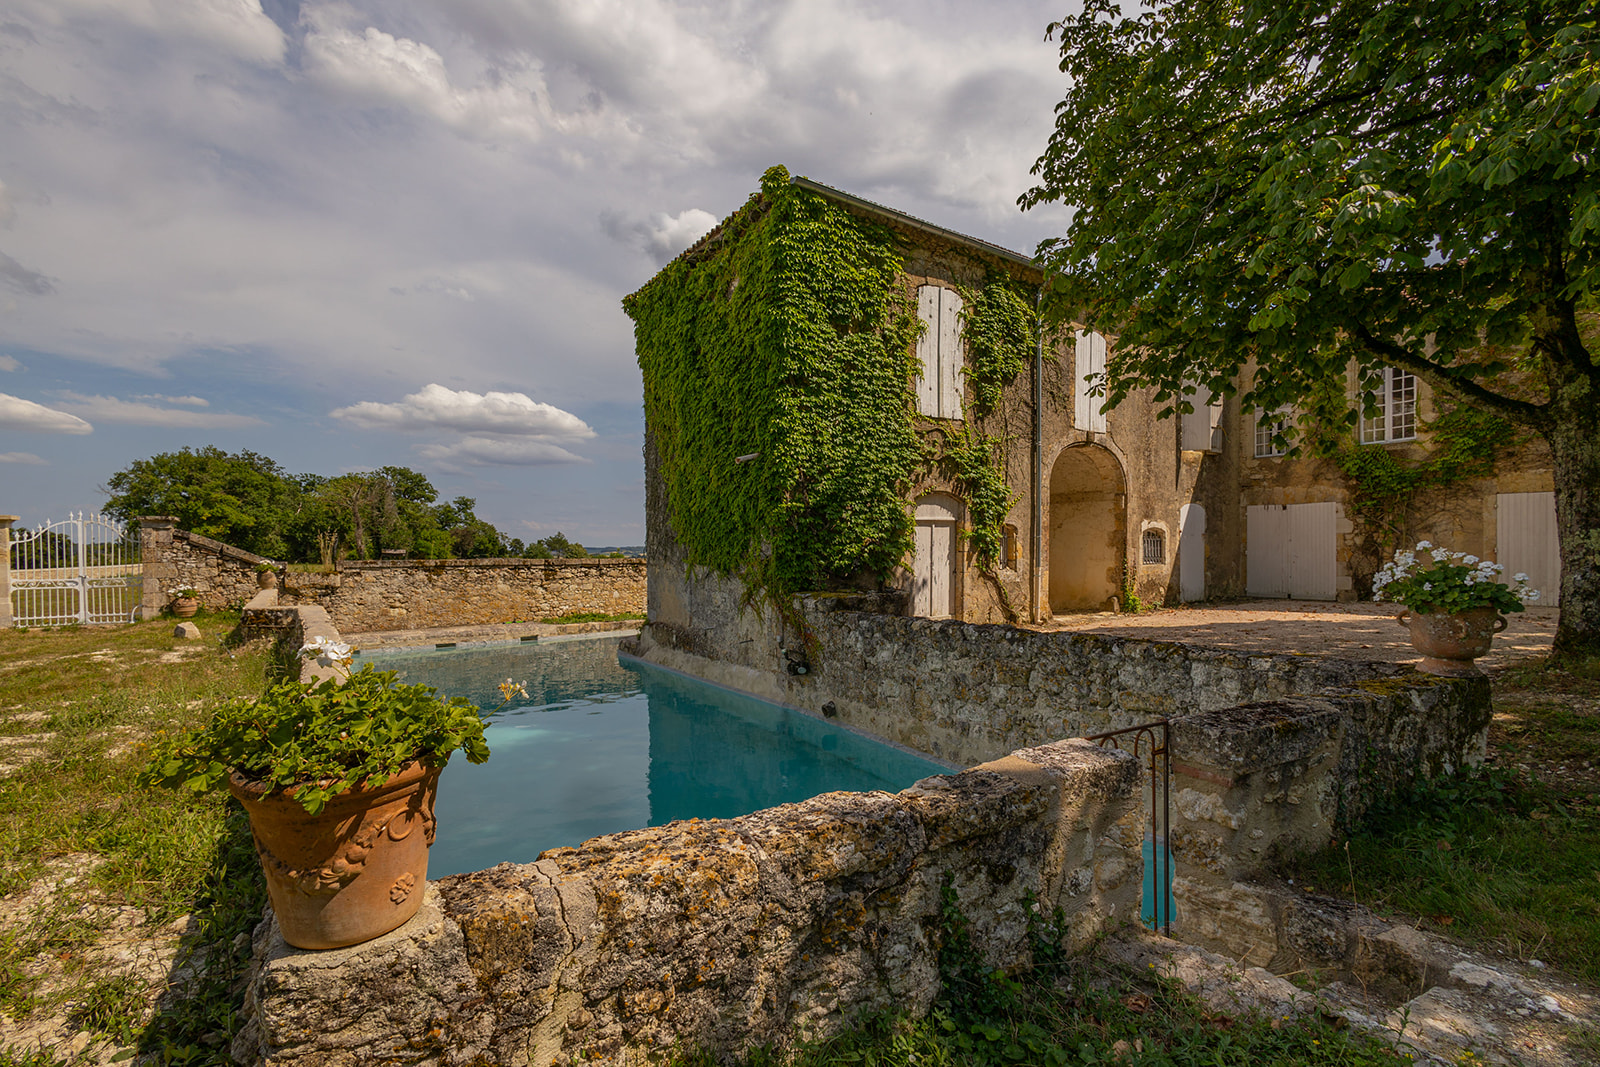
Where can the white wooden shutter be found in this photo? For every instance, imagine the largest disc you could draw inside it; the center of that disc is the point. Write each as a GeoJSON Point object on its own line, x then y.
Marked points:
{"type": "Point", "coordinates": [1089, 359]}
{"type": "Point", "coordinates": [951, 361]}
{"type": "Point", "coordinates": [1191, 553]}
{"type": "Point", "coordinates": [1525, 536]}
{"type": "Point", "coordinates": [1202, 427]}
{"type": "Point", "coordinates": [928, 350]}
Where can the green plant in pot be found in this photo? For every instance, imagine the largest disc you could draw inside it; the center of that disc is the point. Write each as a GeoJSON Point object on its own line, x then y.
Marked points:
{"type": "Point", "coordinates": [1454, 604]}
{"type": "Point", "coordinates": [339, 778]}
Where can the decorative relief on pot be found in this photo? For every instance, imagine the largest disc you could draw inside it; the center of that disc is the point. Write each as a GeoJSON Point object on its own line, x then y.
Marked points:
{"type": "Point", "coordinates": [402, 888]}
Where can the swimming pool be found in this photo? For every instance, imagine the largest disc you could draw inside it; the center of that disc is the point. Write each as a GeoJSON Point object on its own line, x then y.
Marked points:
{"type": "Point", "coordinates": [606, 744]}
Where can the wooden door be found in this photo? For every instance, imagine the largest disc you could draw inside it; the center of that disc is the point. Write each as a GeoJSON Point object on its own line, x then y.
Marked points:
{"type": "Point", "coordinates": [933, 570]}
{"type": "Point", "coordinates": [1191, 553]}
{"type": "Point", "coordinates": [1525, 542]}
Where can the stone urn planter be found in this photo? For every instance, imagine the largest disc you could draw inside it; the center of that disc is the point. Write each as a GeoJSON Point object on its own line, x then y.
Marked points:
{"type": "Point", "coordinates": [185, 607]}
{"type": "Point", "coordinates": [355, 870]}
{"type": "Point", "coordinates": [1449, 643]}
{"type": "Point", "coordinates": [266, 580]}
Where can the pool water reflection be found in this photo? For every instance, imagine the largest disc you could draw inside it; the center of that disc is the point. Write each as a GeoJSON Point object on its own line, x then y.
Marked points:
{"type": "Point", "coordinates": [603, 745]}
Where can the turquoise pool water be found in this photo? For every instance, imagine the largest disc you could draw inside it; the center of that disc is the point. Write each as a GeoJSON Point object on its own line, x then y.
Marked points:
{"type": "Point", "coordinates": [604, 744]}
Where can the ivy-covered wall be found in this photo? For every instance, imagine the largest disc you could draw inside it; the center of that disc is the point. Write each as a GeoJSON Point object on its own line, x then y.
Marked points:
{"type": "Point", "coordinates": [778, 357]}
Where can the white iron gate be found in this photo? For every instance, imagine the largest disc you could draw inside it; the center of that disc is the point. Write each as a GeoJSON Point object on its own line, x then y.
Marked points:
{"type": "Point", "coordinates": [85, 569]}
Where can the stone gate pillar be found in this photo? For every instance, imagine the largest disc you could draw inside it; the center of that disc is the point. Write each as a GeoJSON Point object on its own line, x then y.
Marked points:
{"type": "Point", "coordinates": [5, 568]}
{"type": "Point", "coordinates": [157, 569]}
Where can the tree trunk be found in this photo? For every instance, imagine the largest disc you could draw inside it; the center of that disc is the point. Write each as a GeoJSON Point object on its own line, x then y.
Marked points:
{"type": "Point", "coordinates": [1574, 436]}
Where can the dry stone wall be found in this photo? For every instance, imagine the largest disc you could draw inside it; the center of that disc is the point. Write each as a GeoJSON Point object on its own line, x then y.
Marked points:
{"type": "Point", "coordinates": [724, 934]}
{"type": "Point", "coordinates": [222, 576]}
{"type": "Point", "coordinates": [418, 594]}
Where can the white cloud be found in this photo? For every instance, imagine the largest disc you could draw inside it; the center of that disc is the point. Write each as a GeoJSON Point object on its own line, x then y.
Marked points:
{"type": "Point", "coordinates": [19, 414]}
{"type": "Point", "coordinates": [133, 413]}
{"type": "Point", "coordinates": [8, 363]}
{"type": "Point", "coordinates": [237, 27]}
{"type": "Point", "coordinates": [8, 209]}
{"type": "Point", "coordinates": [498, 451]}
{"type": "Point", "coordinates": [435, 407]}
{"type": "Point", "coordinates": [186, 401]}
{"type": "Point", "coordinates": [25, 458]}
{"type": "Point", "coordinates": [380, 67]}
{"type": "Point", "coordinates": [661, 236]}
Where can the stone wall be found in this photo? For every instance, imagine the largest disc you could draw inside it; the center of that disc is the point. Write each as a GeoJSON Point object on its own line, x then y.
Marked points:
{"type": "Point", "coordinates": [391, 595]}
{"type": "Point", "coordinates": [418, 594]}
{"type": "Point", "coordinates": [1271, 754]}
{"type": "Point", "coordinates": [222, 576]}
{"type": "Point", "coordinates": [724, 934]}
{"type": "Point", "coordinates": [292, 626]}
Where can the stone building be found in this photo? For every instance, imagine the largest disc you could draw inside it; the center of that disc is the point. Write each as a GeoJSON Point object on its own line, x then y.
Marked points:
{"type": "Point", "coordinates": [1103, 506]}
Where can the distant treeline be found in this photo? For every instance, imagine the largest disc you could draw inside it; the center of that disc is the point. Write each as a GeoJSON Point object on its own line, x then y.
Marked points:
{"type": "Point", "coordinates": [248, 501]}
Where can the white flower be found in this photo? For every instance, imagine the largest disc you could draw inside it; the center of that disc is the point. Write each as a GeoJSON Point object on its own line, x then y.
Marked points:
{"type": "Point", "coordinates": [1440, 555]}
{"type": "Point", "coordinates": [326, 651]}
{"type": "Point", "coordinates": [1519, 577]}
{"type": "Point", "coordinates": [1423, 546]}
{"type": "Point", "coordinates": [1469, 560]}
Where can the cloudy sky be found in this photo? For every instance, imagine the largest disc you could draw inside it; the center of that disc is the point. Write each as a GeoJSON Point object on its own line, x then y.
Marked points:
{"type": "Point", "coordinates": [352, 234]}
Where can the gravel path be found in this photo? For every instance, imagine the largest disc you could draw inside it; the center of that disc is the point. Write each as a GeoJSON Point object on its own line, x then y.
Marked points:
{"type": "Point", "coordinates": [1362, 631]}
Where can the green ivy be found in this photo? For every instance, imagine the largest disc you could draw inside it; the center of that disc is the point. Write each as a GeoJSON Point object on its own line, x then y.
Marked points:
{"type": "Point", "coordinates": [1463, 444]}
{"type": "Point", "coordinates": [789, 333]}
{"type": "Point", "coordinates": [998, 327]}
{"type": "Point", "coordinates": [977, 465]}
{"type": "Point", "coordinates": [785, 334]}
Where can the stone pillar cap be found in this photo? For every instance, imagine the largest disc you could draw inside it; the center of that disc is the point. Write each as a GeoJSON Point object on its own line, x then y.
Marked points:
{"type": "Point", "coordinates": [158, 520]}
{"type": "Point", "coordinates": [7, 520]}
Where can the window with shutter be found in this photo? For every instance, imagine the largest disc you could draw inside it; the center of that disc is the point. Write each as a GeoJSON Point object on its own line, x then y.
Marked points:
{"type": "Point", "coordinates": [1089, 361]}
{"type": "Point", "coordinates": [939, 382]}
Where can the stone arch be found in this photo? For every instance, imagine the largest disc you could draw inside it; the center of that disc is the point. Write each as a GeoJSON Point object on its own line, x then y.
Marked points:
{"type": "Point", "coordinates": [1088, 530]}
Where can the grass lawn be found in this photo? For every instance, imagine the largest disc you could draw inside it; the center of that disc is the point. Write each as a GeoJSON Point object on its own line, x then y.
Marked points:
{"type": "Point", "coordinates": [108, 890]}
{"type": "Point", "coordinates": [1508, 856]}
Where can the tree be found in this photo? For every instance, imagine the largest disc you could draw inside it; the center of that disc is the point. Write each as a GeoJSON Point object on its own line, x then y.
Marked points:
{"type": "Point", "coordinates": [241, 499]}
{"type": "Point", "coordinates": [1307, 183]}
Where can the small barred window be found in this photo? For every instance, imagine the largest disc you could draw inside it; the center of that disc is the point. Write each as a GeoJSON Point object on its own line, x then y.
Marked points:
{"type": "Point", "coordinates": [1155, 547]}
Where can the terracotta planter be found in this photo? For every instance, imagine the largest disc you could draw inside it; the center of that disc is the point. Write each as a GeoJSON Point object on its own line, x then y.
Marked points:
{"type": "Point", "coordinates": [185, 607]}
{"type": "Point", "coordinates": [1449, 643]}
{"type": "Point", "coordinates": [266, 580]}
{"type": "Point", "coordinates": [355, 870]}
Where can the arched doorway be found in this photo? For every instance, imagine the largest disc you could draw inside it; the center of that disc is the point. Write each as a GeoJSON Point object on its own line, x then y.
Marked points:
{"type": "Point", "coordinates": [1087, 528]}
{"type": "Point", "coordinates": [934, 567]}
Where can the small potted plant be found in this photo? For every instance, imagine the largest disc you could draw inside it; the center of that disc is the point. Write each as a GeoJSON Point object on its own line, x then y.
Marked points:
{"type": "Point", "coordinates": [185, 602]}
{"type": "Point", "coordinates": [266, 575]}
{"type": "Point", "coordinates": [1454, 604]}
{"type": "Point", "coordinates": [339, 778]}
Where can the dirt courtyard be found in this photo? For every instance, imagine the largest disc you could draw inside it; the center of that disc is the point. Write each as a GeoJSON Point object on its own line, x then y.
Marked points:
{"type": "Point", "coordinates": [1363, 631]}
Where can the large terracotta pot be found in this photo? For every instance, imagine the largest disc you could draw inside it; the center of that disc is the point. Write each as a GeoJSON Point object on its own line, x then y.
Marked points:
{"type": "Point", "coordinates": [1449, 643]}
{"type": "Point", "coordinates": [266, 580]}
{"type": "Point", "coordinates": [355, 870]}
{"type": "Point", "coordinates": [185, 607]}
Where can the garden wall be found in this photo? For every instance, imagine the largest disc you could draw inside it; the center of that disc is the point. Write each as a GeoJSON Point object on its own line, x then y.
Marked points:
{"type": "Point", "coordinates": [726, 934]}
{"type": "Point", "coordinates": [391, 594]}
{"type": "Point", "coordinates": [422, 593]}
{"type": "Point", "coordinates": [221, 576]}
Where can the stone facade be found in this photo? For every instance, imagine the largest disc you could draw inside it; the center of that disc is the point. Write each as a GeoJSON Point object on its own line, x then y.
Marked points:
{"type": "Point", "coordinates": [417, 594]}
{"type": "Point", "coordinates": [1107, 505]}
{"type": "Point", "coordinates": [222, 576]}
{"type": "Point", "coordinates": [722, 934]}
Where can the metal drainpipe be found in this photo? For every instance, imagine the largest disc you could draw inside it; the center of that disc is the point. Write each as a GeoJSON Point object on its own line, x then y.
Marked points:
{"type": "Point", "coordinates": [1037, 517]}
